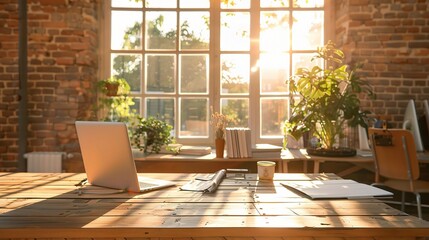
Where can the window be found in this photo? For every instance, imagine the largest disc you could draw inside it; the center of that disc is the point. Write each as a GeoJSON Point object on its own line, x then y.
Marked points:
{"type": "Point", "coordinates": [182, 57]}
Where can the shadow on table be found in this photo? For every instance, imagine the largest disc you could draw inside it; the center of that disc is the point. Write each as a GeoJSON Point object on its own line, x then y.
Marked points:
{"type": "Point", "coordinates": [53, 201]}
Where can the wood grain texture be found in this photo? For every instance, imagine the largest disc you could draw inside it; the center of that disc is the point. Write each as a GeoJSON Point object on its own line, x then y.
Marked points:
{"type": "Point", "coordinates": [48, 205]}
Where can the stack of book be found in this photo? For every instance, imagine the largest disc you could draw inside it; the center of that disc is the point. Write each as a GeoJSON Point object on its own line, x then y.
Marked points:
{"type": "Point", "coordinates": [238, 143]}
{"type": "Point", "coordinates": [177, 148]}
{"type": "Point", "coordinates": [266, 151]}
{"type": "Point", "coordinates": [195, 150]}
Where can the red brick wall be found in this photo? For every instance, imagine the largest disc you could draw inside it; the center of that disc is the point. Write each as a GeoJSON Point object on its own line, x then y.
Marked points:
{"type": "Point", "coordinates": [62, 65]}
{"type": "Point", "coordinates": [392, 36]}
{"type": "Point", "coordinates": [8, 82]}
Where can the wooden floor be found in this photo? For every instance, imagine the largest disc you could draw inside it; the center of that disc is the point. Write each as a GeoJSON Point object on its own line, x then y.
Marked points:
{"type": "Point", "coordinates": [48, 206]}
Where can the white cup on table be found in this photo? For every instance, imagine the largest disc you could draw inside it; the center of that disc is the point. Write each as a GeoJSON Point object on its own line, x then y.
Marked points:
{"type": "Point", "coordinates": [266, 170]}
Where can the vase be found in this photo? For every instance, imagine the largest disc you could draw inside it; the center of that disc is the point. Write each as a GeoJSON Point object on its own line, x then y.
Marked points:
{"type": "Point", "coordinates": [289, 141]}
{"type": "Point", "coordinates": [220, 147]}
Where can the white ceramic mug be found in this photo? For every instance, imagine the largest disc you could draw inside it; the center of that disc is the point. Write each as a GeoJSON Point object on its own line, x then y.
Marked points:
{"type": "Point", "coordinates": [266, 170]}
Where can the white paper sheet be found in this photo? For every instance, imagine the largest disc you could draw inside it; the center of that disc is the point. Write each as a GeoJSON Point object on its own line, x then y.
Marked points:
{"type": "Point", "coordinates": [336, 189]}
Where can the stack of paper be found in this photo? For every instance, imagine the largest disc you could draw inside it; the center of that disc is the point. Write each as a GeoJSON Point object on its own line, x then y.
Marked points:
{"type": "Point", "coordinates": [266, 151]}
{"type": "Point", "coordinates": [195, 150]}
{"type": "Point", "coordinates": [177, 148]}
{"type": "Point", "coordinates": [336, 189]}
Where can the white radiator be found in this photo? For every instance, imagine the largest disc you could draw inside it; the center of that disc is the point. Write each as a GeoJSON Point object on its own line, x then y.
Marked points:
{"type": "Point", "coordinates": [44, 162]}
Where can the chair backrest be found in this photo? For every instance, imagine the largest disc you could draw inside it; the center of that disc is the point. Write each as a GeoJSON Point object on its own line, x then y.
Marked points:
{"type": "Point", "coordinates": [395, 153]}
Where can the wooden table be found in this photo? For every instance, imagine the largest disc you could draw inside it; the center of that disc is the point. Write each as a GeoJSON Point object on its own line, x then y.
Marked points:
{"type": "Point", "coordinates": [36, 205]}
{"type": "Point", "coordinates": [301, 154]}
{"type": "Point", "coordinates": [358, 161]}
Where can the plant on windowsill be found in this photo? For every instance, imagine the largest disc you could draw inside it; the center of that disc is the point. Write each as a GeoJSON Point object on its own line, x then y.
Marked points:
{"type": "Point", "coordinates": [219, 122]}
{"type": "Point", "coordinates": [151, 134]}
{"type": "Point", "coordinates": [114, 102]}
{"type": "Point", "coordinates": [329, 99]}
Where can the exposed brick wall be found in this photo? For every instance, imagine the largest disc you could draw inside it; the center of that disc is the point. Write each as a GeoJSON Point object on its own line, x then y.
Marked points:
{"type": "Point", "coordinates": [8, 82]}
{"type": "Point", "coordinates": [392, 36]}
{"type": "Point", "coordinates": [62, 67]}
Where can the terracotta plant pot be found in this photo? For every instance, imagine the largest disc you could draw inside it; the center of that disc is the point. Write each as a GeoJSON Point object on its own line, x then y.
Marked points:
{"type": "Point", "coordinates": [220, 147]}
{"type": "Point", "coordinates": [112, 89]}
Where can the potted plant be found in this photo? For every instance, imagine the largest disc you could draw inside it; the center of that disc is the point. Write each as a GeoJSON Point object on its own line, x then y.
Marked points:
{"type": "Point", "coordinates": [151, 134]}
{"type": "Point", "coordinates": [329, 99]}
{"type": "Point", "coordinates": [219, 122]}
{"type": "Point", "coordinates": [113, 86]}
{"type": "Point", "coordinates": [114, 100]}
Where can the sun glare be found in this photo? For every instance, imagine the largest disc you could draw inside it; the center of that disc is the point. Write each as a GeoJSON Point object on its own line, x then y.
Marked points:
{"type": "Point", "coordinates": [274, 40]}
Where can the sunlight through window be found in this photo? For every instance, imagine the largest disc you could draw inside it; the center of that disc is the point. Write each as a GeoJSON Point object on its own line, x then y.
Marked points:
{"type": "Point", "coordinates": [182, 56]}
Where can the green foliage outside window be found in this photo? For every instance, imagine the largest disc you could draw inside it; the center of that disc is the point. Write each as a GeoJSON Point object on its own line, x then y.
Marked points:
{"type": "Point", "coordinates": [128, 66]}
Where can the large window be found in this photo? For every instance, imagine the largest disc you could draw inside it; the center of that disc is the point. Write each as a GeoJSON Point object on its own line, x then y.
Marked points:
{"type": "Point", "coordinates": [184, 57]}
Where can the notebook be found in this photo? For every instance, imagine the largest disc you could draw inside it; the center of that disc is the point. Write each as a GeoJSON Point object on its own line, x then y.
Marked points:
{"type": "Point", "coordinates": [108, 159]}
{"type": "Point", "coordinates": [341, 188]}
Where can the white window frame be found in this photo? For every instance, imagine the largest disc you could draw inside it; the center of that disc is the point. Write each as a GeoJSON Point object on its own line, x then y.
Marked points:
{"type": "Point", "coordinates": [214, 71]}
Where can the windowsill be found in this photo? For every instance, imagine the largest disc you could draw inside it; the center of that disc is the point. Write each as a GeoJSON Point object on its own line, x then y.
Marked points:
{"type": "Point", "coordinates": [140, 156]}
{"type": "Point", "coordinates": [259, 151]}
{"type": "Point", "coordinates": [208, 163]}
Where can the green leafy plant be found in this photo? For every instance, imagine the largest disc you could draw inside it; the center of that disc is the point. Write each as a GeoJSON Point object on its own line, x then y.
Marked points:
{"type": "Point", "coordinates": [114, 102]}
{"type": "Point", "coordinates": [151, 134]}
{"type": "Point", "coordinates": [329, 98]}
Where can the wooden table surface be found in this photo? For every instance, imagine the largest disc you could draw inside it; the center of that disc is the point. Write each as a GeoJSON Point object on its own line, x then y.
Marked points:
{"type": "Point", "coordinates": [358, 161]}
{"type": "Point", "coordinates": [47, 205]}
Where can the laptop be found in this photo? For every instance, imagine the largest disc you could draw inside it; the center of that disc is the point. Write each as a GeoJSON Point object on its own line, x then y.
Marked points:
{"type": "Point", "coordinates": [108, 158]}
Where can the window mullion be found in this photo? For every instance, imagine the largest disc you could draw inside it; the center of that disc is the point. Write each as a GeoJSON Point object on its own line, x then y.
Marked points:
{"type": "Point", "coordinates": [254, 91]}
{"type": "Point", "coordinates": [143, 62]}
{"type": "Point", "coordinates": [177, 95]}
{"type": "Point", "coordinates": [215, 81]}
{"type": "Point", "coordinates": [329, 32]}
{"type": "Point", "coordinates": [105, 40]}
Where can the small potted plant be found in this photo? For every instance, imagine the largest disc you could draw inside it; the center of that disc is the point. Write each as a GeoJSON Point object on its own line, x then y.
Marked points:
{"type": "Point", "coordinates": [113, 86]}
{"type": "Point", "coordinates": [114, 100]}
{"type": "Point", "coordinates": [219, 122]}
{"type": "Point", "coordinates": [329, 98]}
{"type": "Point", "coordinates": [151, 134]}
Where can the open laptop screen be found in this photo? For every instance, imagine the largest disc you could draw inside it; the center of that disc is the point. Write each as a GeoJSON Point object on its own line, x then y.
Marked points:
{"type": "Point", "coordinates": [107, 154]}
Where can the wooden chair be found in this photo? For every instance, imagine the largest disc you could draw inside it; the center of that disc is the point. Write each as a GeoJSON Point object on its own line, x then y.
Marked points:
{"type": "Point", "coordinates": [396, 164]}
